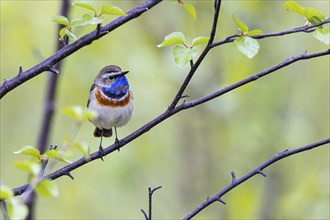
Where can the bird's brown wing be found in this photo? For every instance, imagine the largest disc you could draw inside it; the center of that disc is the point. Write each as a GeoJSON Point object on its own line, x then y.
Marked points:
{"type": "Point", "coordinates": [92, 87]}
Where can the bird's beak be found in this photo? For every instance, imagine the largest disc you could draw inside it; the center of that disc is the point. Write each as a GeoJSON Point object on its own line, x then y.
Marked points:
{"type": "Point", "coordinates": [123, 73]}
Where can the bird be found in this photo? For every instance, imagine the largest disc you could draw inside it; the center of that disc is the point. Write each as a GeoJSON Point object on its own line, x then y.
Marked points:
{"type": "Point", "coordinates": [112, 100]}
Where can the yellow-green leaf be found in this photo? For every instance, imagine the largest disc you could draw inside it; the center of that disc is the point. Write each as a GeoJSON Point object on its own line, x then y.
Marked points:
{"type": "Point", "coordinates": [172, 39]}
{"type": "Point", "coordinates": [70, 34]}
{"type": "Point", "coordinates": [78, 22]}
{"type": "Point", "coordinates": [114, 10]}
{"type": "Point", "coordinates": [46, 188]}
{"type": "Point", "coordinates": [62, 32]}
{"type": "Point", "coordinates": [241, 26]}
{"type": "Point", "coordinates": [60, 20]}
{"type": "Point", "coordinates": [294, 6]}
{"type": "Point", "coordinates": [254, 32]}
{"type": "Point", "coordinates": [89, 19]}
{"type": "Point", "coordinates": [182, 55]}
{"type": "Point", "coordinates": [85, 5]}
{"type": "Point", "coordinates": [16, 209]}
{"type": "Point", "coordinates": [29, 150]}
{"type": "Point", "coordinates": [83, 148]}
{"type": "Point", "coordinates": [322, 34]}
{"type": "Point", "coordinates": [199, 40]}
{"type": "Point", "coordinates": [5, 192]}
{"type": "Point", "coordinates": [247, 45]}
{"type": "Point", "coordinates": [30, 166]}
{"type": "Point", "coordinates": [191, 10]}
{"type": "Point", "coordinates": [313, 15]}
{"type": "Point", "coordinates": [57, 155]}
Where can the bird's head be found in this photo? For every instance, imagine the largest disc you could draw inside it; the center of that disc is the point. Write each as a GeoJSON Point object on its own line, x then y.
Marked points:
{"type": "Point", "coordinates": [108, 75]}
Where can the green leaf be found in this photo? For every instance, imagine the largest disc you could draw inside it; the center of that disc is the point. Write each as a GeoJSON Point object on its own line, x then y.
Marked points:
{"type": "Point", "coordinates": [17, 210]}
{"type": "Point", "coordinates": [78, 22]}
{"type": "Point", "coordinates": [89, 19]}
{"type": "Point", "coordinates": [29, 150]}
{"type": "Point", "coordinates": [57, 155]}
{"type": "Point", "coordinates": [5, 192]}
{"type": "Point", "coordinates": [70, 34]}
{"type": "Point", "coordinates": [254, 32]}
{"type": "Point", "coordinates": [199, 40]}
{"type": "Point", "coordinates": [60, 20]}
{"type": "Point", "coordinates": [191, 10]}
{"type": "Point", "coordinates": [294, 6]}
{"type": "Point", "coordinates": [313, 16]}
{"type": "Point", "coordinates": [173, 38]}
{"type": "Point", "coordinates": [112, 10]}
{"type": "Point", "coordinates": [247, 45]}
{"type": "Point", "coordinates": [46, 188]}
{"type": "Point", "coordinates": [62, 32]}
{"type": "Point", "coordinates": [29, 165]}
{"type": "Point", "coordinates": [83, 148]}
{"type": "Point", "coordinates": [182, 55]}
{"type": "Point", "coordinates": [79, 113]}
{"type": "Point", "coordinates": [322, 34]}
{"type": "Point", "coordinates": [85, 5]}
{"type": "Point", "coordinates": [241, 26]}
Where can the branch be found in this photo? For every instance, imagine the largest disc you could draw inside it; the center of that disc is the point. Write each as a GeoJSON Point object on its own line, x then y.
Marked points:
{"type": "Point", "coordinates": [305, 29]}
{"type": "Point", "coordinates": [252, 78]}
{"type": "Point", "coordinates": [258, 170]}
{"type": "Point", "coordinates": [85, 40]}
{"type": "Point", "coordinates": [145, 128]}
{"type": "Point", "coordinates": [194, 67]}
{"type": "Point", "coordinates": [150, 192]}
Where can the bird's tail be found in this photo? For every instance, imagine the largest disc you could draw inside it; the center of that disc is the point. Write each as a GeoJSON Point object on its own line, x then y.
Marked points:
{"type": "Point", "coordinates": [103, 132]}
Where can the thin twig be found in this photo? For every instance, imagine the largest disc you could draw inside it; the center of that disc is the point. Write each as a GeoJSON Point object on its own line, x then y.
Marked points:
{"type": "Point", "coordinates": [194, 66]}
{"type": "Point", "coordinates": [306, 29]}
{"type": "Point", "coordinates": [150, 193]}
{"type": "Point", "coordinates": [145, 128]}
{"type": "Point", "coordinates": [257, 170]}
{"type": "Point", "coordinates": [66, 51]}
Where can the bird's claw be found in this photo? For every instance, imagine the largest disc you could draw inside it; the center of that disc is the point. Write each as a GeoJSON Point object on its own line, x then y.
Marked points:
{"type": "Point", "coordinates": [101, 152]}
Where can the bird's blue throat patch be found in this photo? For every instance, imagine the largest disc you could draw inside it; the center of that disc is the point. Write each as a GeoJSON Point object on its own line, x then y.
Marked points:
{"type": "Point", "coordinates": [118, 88]}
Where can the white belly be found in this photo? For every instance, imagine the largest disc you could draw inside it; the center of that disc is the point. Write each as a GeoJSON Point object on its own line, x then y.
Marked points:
{"type": "Point", "coordinates": [108, 117]}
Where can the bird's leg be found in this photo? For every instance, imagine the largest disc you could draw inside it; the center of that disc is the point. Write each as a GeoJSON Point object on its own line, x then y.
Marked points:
{"type": "Point", "coordinates": [101, 151]}
{"type": "Point", "coordinates": [116, 140]}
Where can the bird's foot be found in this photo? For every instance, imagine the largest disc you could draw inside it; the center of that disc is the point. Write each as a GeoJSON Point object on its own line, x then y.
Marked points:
{"type": "Point", "coordinates": [101, 152]}
{"type": "Point", "coordinates": [117, 143]}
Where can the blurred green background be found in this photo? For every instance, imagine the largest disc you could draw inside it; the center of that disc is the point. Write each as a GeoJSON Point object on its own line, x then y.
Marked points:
{"type": "Point", "coordinates": [191, 154]}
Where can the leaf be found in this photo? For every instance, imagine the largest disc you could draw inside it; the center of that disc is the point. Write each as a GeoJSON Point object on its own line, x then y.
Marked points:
{"type": "Point", "coordinates": [57, 155]}
{"type": "Point", "coordinates": [182, 55]}
{"type": "Point", "coordinates": [29, 165]}
{"type": "Point", "coordinates": [29, 150]}
{"type": "Point", "coordinates": [173, 38]}
{"type": "Point", "coordinates": [313, 15]}
{"type": "Point", "coordinates": [70, 34]}
{"type": "Point", "coordinates": [199, 40]}
{"type": "Point", "coordinates": [247, 45]}
{"type": "Point", "coordinates": [322, 34]}
{"type": "Point", "coordinates": [46, 188]}
{"type": "Point", "coordinates": [83, 148]}
{"type": "Point", "coordinates": [79, 113]}
{"type": "Point", "coordinates": [62, 32]}
{"type": "Point", "coordinates": [60, 20]}
{"type": "Point", "coordinates": [85, 5]}
{"type": "Point", "coordinates": [5, 192]}
{"type": "Point", "coordinates": [112, 10]}
{"type": "Point", "coordinates": [254, 32]}
{"type": "Point", "coordinates": [191, 10]}
{"type": "Point", "coordinates": [242, 27]}
{"type": "Point", "coordinates": [294, 7]}
{"type": "Point", "coordinates": [17, 210]}
{"type": "Point", "coordinates": [89, 19]}
{"type": "Point", "coordinates": [78, 22]}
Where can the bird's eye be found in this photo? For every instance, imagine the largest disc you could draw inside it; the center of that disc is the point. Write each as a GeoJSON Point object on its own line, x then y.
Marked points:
{"type": "Point", "coordinates": [111, 77]}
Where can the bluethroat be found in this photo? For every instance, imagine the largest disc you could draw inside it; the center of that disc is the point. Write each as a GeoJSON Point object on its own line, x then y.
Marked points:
{"type": "Point", "coordinates": [112, 101]}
